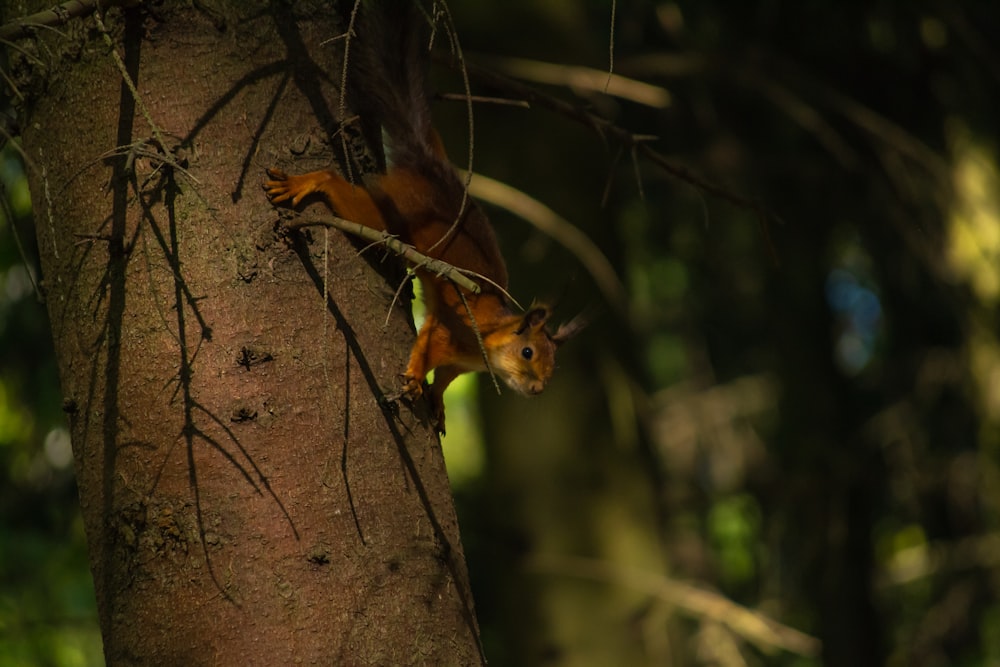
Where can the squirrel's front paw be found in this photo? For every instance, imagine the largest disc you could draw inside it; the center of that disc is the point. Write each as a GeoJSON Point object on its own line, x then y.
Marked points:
{"type": "Point", "coordinates": [278, 188]}
{"type": "Point", "coordinates": [412, 387]}
{"type": "Point", "coordinates": [411, 390]}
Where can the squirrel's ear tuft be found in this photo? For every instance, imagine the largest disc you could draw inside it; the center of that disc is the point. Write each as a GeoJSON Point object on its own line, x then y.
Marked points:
{"type": "Point", "coordinates": [533, 319]}
{"type": "Point", "coordinates": [570, 329]}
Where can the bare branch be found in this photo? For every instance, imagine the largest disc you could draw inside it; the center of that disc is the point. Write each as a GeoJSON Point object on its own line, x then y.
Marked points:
{"type": "Point", "coordinates": [8, 214]}
{"type": "Point", "coordinates": [126, 77]}
{"type": "Point", "coordinates": [754, 626]}
{"type": "Point", "coordinates": [606, 129]}
{"type": "Point", "coordinates": [501, 101]}
{"type": "Point", "coordinates": [585, 79]}
{"type": "Point", "coordinates": [57, 15]}
{"type": "Point", "coordinates": [441, 9]}
{"type": "Point", "coordinates": [611, 45]}
{"type": "Point", "coordinates": [404, 250]}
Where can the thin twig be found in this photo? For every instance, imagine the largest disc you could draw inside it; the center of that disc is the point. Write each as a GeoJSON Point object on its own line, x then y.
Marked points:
{"type": "Point", "coordinates": [486, 279]}
{"type": "Point", "coordinates": [607, 129]}
{"type": "Point", "coordinates": [24, 52]}
{"type": "Point", "coordinates": [404, 250]}
{"type": "Point", "coordinates": [460, 57]}
{"type": "Point", "coordinates": [57, 15]}
{"type": "Point", "coordinates": [127, 78]}
{"type": "Point", "coordinates": [611, 45]}
{"type": "Point", "coordinates": [417, 259]}
{"type": "Point", "coordinates": [585, 79]}
{"type": "Point", "coordinates": [9, 215]}
{"type": "Point", "coordinates": [535, 97]}
{"type": "Point", "coordinates": [8, 140]}
{"type": "Point", "coordinates": [13, 86]}
{"type": "Point", "coordinates": [638, 173]}
{"type": "Point", "coordinates": [342, 102]}
{"type": "Point", "coordinates": [500, 101]}
{"type": "Point", "coordinates": [479, 339]}
{"type": "Point", "coordinates": [137, 147]}
{"type": "Point", "coordinates": [611, 176]}
{"type": "Point", "coordinates": [395, 295]}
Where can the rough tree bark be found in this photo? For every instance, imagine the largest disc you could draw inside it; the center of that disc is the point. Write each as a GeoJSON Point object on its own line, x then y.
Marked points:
{"type": "Point", "coordinates": [247, 498]}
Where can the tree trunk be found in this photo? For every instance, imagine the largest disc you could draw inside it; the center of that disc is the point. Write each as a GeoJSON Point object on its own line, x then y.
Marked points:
{"type": "Point", "coordinates": [248, 497]}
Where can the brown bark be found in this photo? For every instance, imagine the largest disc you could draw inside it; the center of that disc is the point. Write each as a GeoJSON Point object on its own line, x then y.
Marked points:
{"type": "Point", "coordinates": [247, 498]}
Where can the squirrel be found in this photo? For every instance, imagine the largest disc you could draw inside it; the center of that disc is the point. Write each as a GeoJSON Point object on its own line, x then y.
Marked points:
{"type": "Point", "coordinates": [421, 199]}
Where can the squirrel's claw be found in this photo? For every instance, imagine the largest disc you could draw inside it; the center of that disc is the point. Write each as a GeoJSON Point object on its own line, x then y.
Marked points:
{"type": "Point", "coordinates": [413, 389]}
{"type": "Point", "coordinates": [277, 189]}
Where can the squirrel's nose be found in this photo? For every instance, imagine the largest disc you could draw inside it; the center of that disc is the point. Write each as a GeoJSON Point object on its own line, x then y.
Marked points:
{"type": "Point", "coordinates": [536, 387]}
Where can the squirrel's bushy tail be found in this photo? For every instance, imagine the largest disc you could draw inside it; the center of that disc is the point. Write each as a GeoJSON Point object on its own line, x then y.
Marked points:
{"type": "Point", "coordinates": [387, 75]}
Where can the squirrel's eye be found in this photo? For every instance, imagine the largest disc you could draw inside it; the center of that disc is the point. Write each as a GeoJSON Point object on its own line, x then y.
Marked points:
{"type": "Point", "coordinates": [527, 353]}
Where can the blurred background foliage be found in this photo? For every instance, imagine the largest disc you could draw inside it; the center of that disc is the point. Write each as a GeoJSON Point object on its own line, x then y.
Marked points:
{"type": "Point", "coordinates": [47, 608]}
{"type": "Point", "coordinates": [778, 443]}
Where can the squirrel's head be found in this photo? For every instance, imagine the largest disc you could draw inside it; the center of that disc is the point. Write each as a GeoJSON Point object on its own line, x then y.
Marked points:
{"type": "Point", "coordinates": [527, 356]}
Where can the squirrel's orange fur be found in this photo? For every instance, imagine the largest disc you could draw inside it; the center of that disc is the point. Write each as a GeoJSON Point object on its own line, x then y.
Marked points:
{"type": "Point", "coordinates": [519, 348]}
{"type": "Point", "coordinates": [420, 199]}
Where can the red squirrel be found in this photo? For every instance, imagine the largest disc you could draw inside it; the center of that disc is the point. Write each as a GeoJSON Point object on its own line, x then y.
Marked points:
{"type": "Point", "coordinates": [421, 199]}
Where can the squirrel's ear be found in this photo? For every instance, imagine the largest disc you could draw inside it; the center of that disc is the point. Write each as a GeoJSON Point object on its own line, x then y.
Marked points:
{"type": "Point", "coordinates": [534, 318]}
{"type": "Point", "coordinates": [570, 329]}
